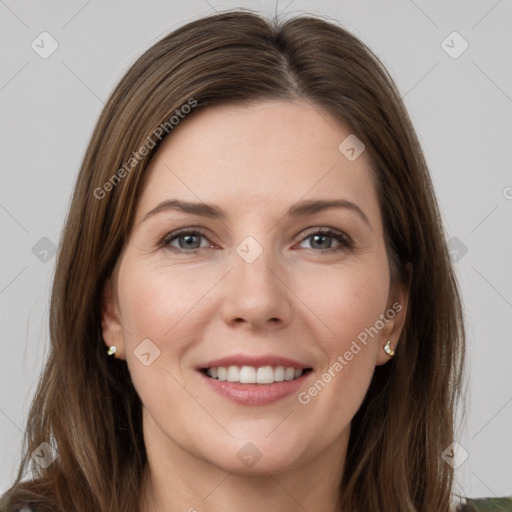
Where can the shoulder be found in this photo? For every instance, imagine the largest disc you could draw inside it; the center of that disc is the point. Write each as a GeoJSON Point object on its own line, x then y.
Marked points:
{"type": "Point", "coordinates": [485, 505]}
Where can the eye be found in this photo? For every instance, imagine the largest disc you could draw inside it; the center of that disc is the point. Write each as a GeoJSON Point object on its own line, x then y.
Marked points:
{"type": "Point", "coordinates": [322, 239]}
{"type": "Point", "coordinates": [185, 241]}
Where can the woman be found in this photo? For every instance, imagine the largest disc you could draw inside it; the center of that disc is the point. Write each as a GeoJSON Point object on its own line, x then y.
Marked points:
{"type": "Point", "coordinates": [255, 242]}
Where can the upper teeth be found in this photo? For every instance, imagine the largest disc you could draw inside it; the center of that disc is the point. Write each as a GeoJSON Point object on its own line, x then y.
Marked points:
{"type": "Point", "coordinates": [252, 375]}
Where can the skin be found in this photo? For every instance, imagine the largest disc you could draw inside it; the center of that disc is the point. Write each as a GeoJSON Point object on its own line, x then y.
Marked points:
{"type": "Point", "coordinates": [297, 299]}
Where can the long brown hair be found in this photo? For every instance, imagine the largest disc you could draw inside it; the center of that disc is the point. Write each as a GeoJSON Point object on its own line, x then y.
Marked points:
{"type": "Point", "coordinates": [86, 405]}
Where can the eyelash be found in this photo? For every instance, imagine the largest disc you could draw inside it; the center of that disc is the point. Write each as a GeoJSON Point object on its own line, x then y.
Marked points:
{"type": "Point", "coordinates": [344, 240]}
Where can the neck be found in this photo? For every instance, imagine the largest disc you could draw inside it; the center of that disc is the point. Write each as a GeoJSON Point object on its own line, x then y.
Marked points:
{"type": "Point", "coordinates": [176, 480]}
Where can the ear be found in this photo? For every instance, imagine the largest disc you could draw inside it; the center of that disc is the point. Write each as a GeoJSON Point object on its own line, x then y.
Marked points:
{"type": "Point", "coordinates": [394, 317]}
{"type": "Point", "coordinates": [110, 320]}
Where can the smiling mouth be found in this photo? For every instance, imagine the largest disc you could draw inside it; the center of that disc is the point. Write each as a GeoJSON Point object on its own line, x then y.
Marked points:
{"type": "Point", "coordinates": [255, 375]}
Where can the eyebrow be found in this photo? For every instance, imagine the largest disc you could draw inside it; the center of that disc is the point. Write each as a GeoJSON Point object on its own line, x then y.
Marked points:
{"type": "Point", "coordinates": [301, 209]}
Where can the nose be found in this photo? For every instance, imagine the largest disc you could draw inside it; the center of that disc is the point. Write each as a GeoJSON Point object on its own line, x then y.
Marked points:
{"type": "Point", "coordinates": [256, 294]}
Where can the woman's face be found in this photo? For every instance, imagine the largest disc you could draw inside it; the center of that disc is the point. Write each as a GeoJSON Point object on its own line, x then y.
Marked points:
{"type": "Point", "coordinates": [240, 261]}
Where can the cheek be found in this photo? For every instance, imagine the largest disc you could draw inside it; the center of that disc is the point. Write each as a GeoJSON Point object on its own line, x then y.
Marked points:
{"type": "Point", "coordinates": [163, 304]}
{"type": "Point", "coordinates": [347, 305]}
{"type": "Point", "coordinates": [170, 305]}
{"type": "Point", "coordinates": [167, 306]}
{"type": "Point", "coordinates": [346, 301]}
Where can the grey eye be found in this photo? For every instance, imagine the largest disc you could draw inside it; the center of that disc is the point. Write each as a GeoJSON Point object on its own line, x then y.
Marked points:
{"type": "Point", "coordinates": [186, 241]}
{"type": "Point", "coordinates": [189, 241]}
{"type": "Point", "coordinates": [320, 241]}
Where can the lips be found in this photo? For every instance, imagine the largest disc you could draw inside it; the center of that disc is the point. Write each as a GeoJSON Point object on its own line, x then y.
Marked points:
{"type": "Point", "coordinates": [254, 369]}
{"type": "Point", "coordinates": [255, 380]}
{"type": "Point", "coordinates": [254, 361]}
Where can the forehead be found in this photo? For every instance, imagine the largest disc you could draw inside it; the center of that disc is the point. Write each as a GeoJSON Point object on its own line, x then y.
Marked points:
{"type": "Point", "coordinates": [258, 157]}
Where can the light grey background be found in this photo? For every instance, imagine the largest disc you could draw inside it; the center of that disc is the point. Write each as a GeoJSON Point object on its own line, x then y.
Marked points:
{"type": "Point", "coordinates": [461, 108]}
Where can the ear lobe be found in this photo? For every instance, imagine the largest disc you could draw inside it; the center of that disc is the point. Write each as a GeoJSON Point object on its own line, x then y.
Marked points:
{"type": "Point", "coordinates": [396, 313]}
{"type": "Point", "coordinates": [110, 321]}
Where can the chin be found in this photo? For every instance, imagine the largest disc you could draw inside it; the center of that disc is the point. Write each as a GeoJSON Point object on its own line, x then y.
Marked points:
{"type": "Point", "coordinates": [257, 457]}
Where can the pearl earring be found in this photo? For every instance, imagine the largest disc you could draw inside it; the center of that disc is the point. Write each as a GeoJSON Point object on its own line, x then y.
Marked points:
{"type": "Point", "coordinates": [111, 350]}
